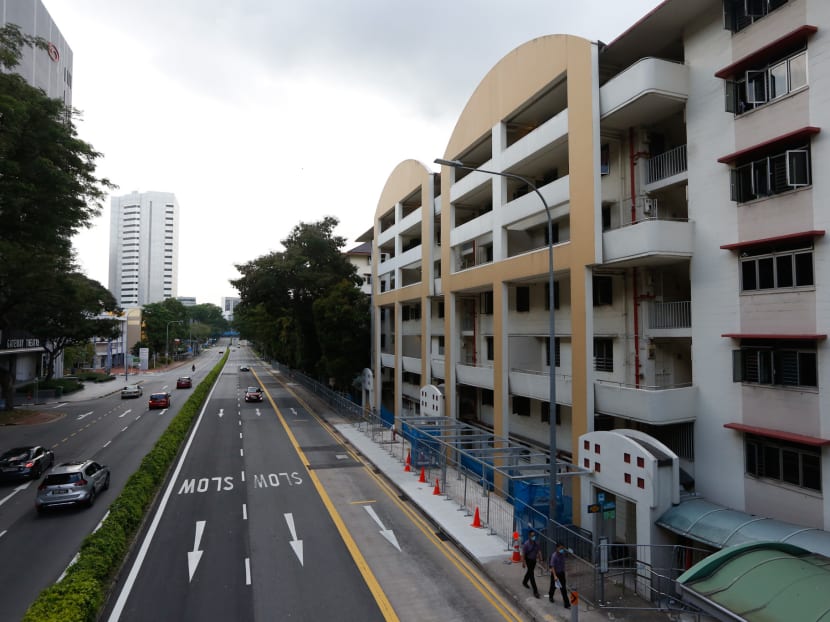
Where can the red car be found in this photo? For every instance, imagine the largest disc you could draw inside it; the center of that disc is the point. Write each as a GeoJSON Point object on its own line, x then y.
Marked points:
{"type": "Point", "coordinates": [159, 400]}
{"type": "Point", "coordinates": [253, 394]}
{"type": "Point", "coordinates": [184, 382]}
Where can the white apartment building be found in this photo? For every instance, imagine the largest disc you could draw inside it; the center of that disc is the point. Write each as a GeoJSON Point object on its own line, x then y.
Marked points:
{"type": "Point", "coordinates": [50, 69]}
{"type": "Point", "coordinates": [144, 248]}
{"type": "Point", "coordinates": [228, 305]}
{"type": "Point", "coordinates": [681, 167]}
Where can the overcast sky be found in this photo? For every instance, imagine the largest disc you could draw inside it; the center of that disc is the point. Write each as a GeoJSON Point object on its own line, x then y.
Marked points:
{"type": "Point", "coordinates": [261, 114]}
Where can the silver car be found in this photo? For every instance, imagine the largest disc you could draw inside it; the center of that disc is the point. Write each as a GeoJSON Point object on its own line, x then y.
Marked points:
{"type": "Point", "coordinates": [72, 482]}
{"type": "Point", "coordinates": [132, 390]}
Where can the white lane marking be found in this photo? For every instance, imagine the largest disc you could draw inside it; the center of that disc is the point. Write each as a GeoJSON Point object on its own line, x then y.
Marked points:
{"type": "Point", "coordinates": [124, 429]}
{"type": "Point", "coordinates": [105, 444]}
{"type": "Point", "coordinates": [243, 476]}
{"type": "Point", "coordinates": [242, 453]}
{"type": "Point", "coordinates": [137, 418]}
{"type": "Point", "coordinates": [58, 405]}
{"type": "Point", "coordinates": [247, 571]}
{"type": "Point", "coordinates": [85, 415]}
{"type": "Point", "coordinates": [145, 545]}
{"type": "Point", "coordinates": [386, 533]}
{"type": "Point", "coordinates": [129, 410]}
{"type": "Point", "coordinates": [296, 544]}
{"type": "Point", "coordinates": [195, 555]}
{"type": "Point", "coordinates": [240, 435]}
{"type": "Point", "coordinates": [221, 412]}
{"type": "Point", "coordinates": [244, 512]}
{"type": "Point", "coordinates": [14, 492]}
{"type": "Point", "coordinates": [3, 533]}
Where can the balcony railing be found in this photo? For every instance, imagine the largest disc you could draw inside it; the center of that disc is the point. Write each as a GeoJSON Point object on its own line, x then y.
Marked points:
{"type": "Point", "coordinates": [670, 314]}
{"type": "Point", "coordinates": [667, 164]}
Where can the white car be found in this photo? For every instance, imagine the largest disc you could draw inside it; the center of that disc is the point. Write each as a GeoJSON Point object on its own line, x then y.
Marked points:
{"type": "Point", "coordinates": [131, 390]}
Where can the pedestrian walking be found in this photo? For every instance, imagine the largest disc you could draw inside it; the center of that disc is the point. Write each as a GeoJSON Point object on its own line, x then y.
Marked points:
{"type": "Point", "coordinates": [558, 578]}
{"type": "Point", "coordinates": [531, 553]}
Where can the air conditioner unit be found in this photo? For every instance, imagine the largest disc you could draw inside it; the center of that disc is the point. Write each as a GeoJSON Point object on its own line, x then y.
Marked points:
{"type": "Point", "coordinates": [649, 206]}
{"type": "Point", "coordinates": [384, 257]}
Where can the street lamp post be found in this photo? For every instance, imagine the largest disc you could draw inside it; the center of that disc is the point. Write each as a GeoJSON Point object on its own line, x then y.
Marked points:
{"type": "Point", "coordinates": [167, 338]}
{"type": "Point", "coordinates": [554, 475]}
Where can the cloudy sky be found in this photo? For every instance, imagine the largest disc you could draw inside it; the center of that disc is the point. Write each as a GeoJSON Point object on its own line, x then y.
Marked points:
{"type": "Point", "coordinates": [261, 114]}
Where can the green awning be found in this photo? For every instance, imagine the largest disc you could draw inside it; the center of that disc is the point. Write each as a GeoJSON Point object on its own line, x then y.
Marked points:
{"type": "Point", "coordinates": [720, 527]}
{"type": "Point", "coordinates": [760, 582]}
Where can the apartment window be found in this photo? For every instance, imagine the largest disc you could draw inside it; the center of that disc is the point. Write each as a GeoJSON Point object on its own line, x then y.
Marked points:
{"type": "Point", "coordinates": [780, 267]}
{"type": "Point", "coordinates": [774, 174]}
{"type": "Point", "coordinates": [487, 303]}
{"type": "Point", "coordinates": [783, 461]}
{"type": "Point", "coordinates": [521, 405]}
{"type": "Point", "coordinates": [546, 413]}
{"type": "Point", "coordinates": [555, 295]}
{"type": "Point", "coordinates": [556, 342]}
{"type": "Point", "coordinates": [605, 159]}
{"type": "Point", "coordinates": [441, 345]}
{"type": "Point", "coordinates": [489, 347]}
{"type": "Point", "coordinates": [603, 354]}
{"type": "Point", "coordinates": [761, 85]}
{"type": "Point", "coordinates": [440, 309]}
{"type": "Point", "coordinates": [603, 291]}
{"type": "Point", "coordinates": [523, 299]}
{"type": "Point", "coordinates": [738, 14]}
{"type": "Point", "coordinates": [772, 362]}
{"type": "Point", "coordinates": [486, 397]}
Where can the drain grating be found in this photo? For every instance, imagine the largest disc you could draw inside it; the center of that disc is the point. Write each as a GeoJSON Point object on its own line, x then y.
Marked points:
{"type": "Point", "coordinates": [441, 536]}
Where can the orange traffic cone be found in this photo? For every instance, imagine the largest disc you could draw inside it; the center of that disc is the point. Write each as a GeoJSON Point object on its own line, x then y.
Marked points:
{"type": "Point", "coordinates": [423, 478]}
{"type": "Point", "coordinates": [517, 557]}
{"type": "Point", "coordinates": [437, 489]}
{"type": "Point", "coordinates": [408, 466]}
{"type": "Point", "coordinates": [476, 520]}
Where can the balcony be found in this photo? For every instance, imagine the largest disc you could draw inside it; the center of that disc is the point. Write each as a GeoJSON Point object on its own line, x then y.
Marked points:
{"type": "Point", "coordinates": [652, 405]}
{"type": "Point", "coordinates": [648, 242]}
{"type": "Point", "coordinates": [536, 385]}
{"type": "Point", "coordinates": [387, 360]}
{"type": "Point", "coordinates": [411, 364]}
{"type": "Point", "coordinates": [474, 375]}
{"type": "Point", "coordinates": [649, 90]}
{"type": "Point", "coordinates": [670, 318]}
{"type": "Point", "coordinates": [437, 368]}
{"type": "Point", "coordinates": [666, 169]}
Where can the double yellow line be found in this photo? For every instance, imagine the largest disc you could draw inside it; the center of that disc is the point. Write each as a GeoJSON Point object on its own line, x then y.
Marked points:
{"type": "Point", "coordinates": [461, 563]}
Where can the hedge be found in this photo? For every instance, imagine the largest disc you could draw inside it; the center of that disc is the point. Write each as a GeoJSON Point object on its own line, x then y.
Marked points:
{"type": "Point", "coordinates": [81, 594]}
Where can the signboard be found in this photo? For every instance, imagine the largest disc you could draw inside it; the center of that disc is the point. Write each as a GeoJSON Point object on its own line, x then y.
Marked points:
{"type": "Point", "coordinates": [144, 359]}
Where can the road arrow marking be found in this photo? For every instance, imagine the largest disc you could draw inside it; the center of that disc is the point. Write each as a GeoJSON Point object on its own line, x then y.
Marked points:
{"type": "Point", "coordinates": [195, 555]}
{"type": "Point", "coordinates": [125, 412]}
{"type": "Point", "coordinates": [14, 492]}
{"type": "Point", "coordinates": [257, 412]}
{"type": "Point", "coordinates": [294, 411]}
{"type": "Point", "coordinates": [221, 411]}
{"type": "Point", "coordinates": [84, 415]}
{"type": "Point", "coordinates": [386, 533]}
{"type": "Point", "coordinates": [296, 544]}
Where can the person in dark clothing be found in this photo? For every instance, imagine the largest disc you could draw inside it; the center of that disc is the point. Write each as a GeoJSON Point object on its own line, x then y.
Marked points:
{"type": "Point", "coordinates": [557, 574]}
{"type": "Point", "coordinates": [531, 552]}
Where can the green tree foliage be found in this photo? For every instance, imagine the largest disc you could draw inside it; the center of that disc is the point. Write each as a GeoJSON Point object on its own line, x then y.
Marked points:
{"type": "Point", "coordinates": [206, 320]}
{"type": "Point", "coordinates": [278, 293]}
{"type": "Point", "coordinates": [162, 321]}
{"type": "Point", "coordinates": [48, 192]}
{"type": "Point", "coordinates": [342, 320]}
{"type": "Point", "coordinates": [76, 305]}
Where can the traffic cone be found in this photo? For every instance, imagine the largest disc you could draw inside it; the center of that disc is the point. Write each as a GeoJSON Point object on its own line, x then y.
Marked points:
{"type": "Point", "coordinates": [476, 520]}
{"type": "Point", "coordinates": [437, 489]}
{"type": "Point", "coordinates": [517, 556]}
{"type": "Point", "coordinates": [408, 466]}
{"type": "Point", "coordinates": [423, 478]}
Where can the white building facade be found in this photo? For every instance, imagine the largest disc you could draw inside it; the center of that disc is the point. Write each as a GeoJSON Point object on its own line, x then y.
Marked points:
{"type": "Point", "coordinates": [144, 248]}
{"type": "Point", "coordinates": [681, 165]}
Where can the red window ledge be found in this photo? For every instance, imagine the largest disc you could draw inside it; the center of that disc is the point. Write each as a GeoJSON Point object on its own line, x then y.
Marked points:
{"type": "Point", "coordinates": [799, 135]}
{"type": "Point", "coordinates": [815, 233]}
{"type": "Point", "coordinates": [779, 434]}
{"type": "Point", "coordinates": [768, 51]}
{"type": "Point", "coordinates": [778, 336]}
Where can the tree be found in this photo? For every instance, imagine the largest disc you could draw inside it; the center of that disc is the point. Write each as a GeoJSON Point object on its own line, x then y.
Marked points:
{"type": "Point", "coordinates": [48, 192]}
{"type": "Point", "coordinates": [163, 321]}
{"type": "Point", "coordinates": [206, 320]}
{"type": "Point", "coordinates": [284, 286]}
{"type": "Point", "coordinates": [77, 309]}
{"type": "Point", "coordinates": [342, 318]}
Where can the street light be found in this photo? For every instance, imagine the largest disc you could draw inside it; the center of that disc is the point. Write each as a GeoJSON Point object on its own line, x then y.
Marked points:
{"type": "Point", "coordinates": [167, 338]}
{"type": "Point", "coordinates": [554, 475]}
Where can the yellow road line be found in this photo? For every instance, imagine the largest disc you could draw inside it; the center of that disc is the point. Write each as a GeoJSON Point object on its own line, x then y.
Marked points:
{"type": "Point", "coordinates": [463, 565]}
{"type": "Point", "coordinates": [366, 572]}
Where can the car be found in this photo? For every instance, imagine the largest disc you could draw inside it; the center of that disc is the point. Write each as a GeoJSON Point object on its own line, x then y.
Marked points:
{"type": "Point", "coordinates": [159, 400]}
{"type": "Point", "coordinates": [244, 368]}
{"type": "Point", "coordinates": [131, 390]}
{"type": "Point", "coordinates": [184, 382]}
{"type": "Point", "coordinates": [70, 483]}
{"type": "Point", "coordinates": [253, 394]}
{"type": "Point", "coordinates": [25, 462]}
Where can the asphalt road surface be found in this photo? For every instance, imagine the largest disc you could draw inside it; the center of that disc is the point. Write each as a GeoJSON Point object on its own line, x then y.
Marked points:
{"type": "Point", "coordinates": [36, 550]}
{"type": "Point", "coordinates": [269, 516]}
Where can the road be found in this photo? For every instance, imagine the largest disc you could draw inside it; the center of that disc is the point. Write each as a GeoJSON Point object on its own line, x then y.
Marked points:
{"type": "Point", "coordinates": [268, 516]}
{"type": "Point", "coordinates": [36, 550]}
